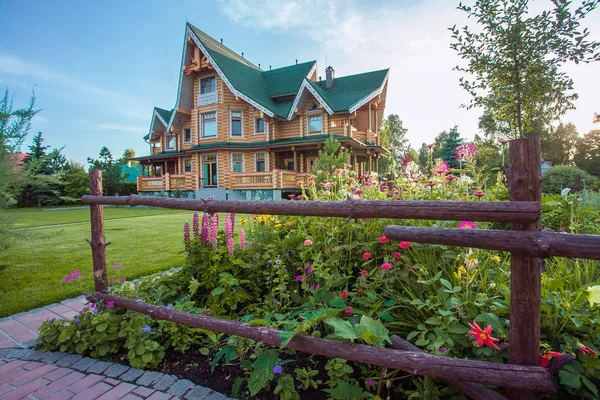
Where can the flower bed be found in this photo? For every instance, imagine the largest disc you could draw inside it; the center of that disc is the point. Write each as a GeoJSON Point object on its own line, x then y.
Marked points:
{"type": "Point", "coordinates": [343, 280]}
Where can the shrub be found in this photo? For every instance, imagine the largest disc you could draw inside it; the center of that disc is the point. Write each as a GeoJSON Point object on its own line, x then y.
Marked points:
{"type": "Point", "coordinates": [563, 176]}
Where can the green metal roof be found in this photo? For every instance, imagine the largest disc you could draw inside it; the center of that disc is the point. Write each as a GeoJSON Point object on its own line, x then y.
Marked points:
{"type": "Point", "coordinates": [164, 114]}
{"type": "Point", "coordinates": [164, 154]}
{"type": "Point", "coordinates": [286, 80]}
{"type": "Point", "coordinates": [351, 89]}
{"type": "Point", "coordinates": [131, 172]}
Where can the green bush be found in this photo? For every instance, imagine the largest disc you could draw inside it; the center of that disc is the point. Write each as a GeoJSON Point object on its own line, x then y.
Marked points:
{"type": "Point", "coordinates": [563, 176]}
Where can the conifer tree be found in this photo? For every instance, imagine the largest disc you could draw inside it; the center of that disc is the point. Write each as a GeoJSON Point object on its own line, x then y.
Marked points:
{"type": "Point", "coordinates": [332, 157]}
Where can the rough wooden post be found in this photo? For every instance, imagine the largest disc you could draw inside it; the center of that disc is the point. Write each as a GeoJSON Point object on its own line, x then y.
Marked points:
{"type": "Point", "coordinates": [525, 184]}
{"type": "Point", "coordinates": [98, 241]}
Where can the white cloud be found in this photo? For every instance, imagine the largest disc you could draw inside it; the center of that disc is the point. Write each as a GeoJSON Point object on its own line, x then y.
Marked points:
{"type": "Point", "coordinates": [413, 40]}
{"type": "Point", "coordinates": [137, 129]}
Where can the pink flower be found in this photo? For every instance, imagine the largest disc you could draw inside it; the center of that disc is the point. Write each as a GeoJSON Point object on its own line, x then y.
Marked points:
{"type": "Point", "coordinates": [308, 242]}
{"type": "Point", "coordinates": [67, 278]}
{"type": "Point", "coordinates": [344, 294]}
{"type": "Point", "coordinates": [479, 193]}
{"type": "Point", "coordinates": [467, 225]}
{"type": "Point", "coordinates": [369, 382]}
{"type": "Point", "coordinates": [465, 151]}
{"type": "Point", "coordinates": [441, 168]}
{"type": "Point", "coordinates": [348, 311]}
{"type": "Point", "coordinates": [547, 356]}
{"type": "Point", "coordinates": [113, 281]}
{"type": "Point", "coordinates": [397, 255]}
{"type": "Point", "coordinates": [122, 279]}
{"type": "Point", "coordinates": [116, 266]}
{"type": "Point", "coordinates": [383, 239]}
{"type": "Point", "coordinates": [429, 146]}
{"type": "Point", "coordinates": [386, 266]}
{"type": "Point", "coordinates": [359, 192]}
{"type": "Point", "coordinates": [186, 236]}
{"type": "Point", "coordinates": [364, 272]}
{"type": "Point", "coordinates": [196, 225]}
{"type": "Point", "coordinates": [483, 337]}
{"type": "Point", "coordinates": [242, 239]}
{"type": "Point", "coordinates": [110, 304]}
{"type": "Point", "coordinates": [366, 255]}
{"type": "Point", "coordinates": [230, 245]}
{"type": "Point", "coordinates": [586, 350]}
{"type": "Point", "coordinates": [299, 277]}
{"type": "Point", "coordinates": [404, 245]}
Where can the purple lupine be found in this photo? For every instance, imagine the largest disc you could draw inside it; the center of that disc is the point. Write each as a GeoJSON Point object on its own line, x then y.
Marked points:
{"type": "Point", "coordinates": [195, 225]}
{"type": "Point", "coordinates": [186, 236]}
{"type": "Point", "coordinates": [228, 227]}
{"type": "Point", "coordinates": [214, 231]}
{"type": "Point", "coordinates": [242, 239]}
{"type": "Point", "coordinates": [230, 245]}
{"type": "Point", "coordinates": [205, 235]}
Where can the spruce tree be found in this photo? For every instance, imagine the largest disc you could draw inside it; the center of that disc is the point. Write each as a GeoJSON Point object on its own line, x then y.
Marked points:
{"type": "Point", "coordinates": [449, 145]}
{"type": "Point", "coordinates": [332, 157]}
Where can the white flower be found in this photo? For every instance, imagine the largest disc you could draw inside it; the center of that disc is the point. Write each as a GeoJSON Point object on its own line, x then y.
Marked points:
{"type": "Point", "coordinates": [565, 191]}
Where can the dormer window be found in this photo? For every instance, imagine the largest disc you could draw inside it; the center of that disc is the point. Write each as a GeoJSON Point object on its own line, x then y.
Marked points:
{"type": "Point", "coordinates": [208, 91]}
{"type": "Point", "coordinates": [313, 107]}
{"type": "Point", "coordinates": [171, 142]}
{"type": "Point", "coordinates": [315, 124]}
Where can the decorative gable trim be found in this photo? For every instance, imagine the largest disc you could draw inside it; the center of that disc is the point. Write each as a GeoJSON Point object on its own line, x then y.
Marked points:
{"type": "Point", "coordinates": [306, 85]}
{"type": "Point", "coordinates": [236, 92]}
{"type": "Point", "coordinates": [312, 70]}
{"type": "Point", "coordinates": [370, 96]}
{"type": "Point", "coordinates": [154, 116]}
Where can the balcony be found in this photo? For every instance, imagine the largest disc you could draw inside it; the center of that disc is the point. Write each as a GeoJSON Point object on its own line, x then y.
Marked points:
{"type": "Point", "coordinates": [208, 98]}
{"type": "Point", "coordinates": [187, 181]}
{"type": "Point", "coordinates": [276, 179]}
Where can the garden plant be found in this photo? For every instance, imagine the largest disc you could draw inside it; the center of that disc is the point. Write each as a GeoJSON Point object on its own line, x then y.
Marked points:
{"type": "Point", "coordinates": [345, 280]}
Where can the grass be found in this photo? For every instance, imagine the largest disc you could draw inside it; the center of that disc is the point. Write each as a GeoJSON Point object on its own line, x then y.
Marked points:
{"type": "Point", "coordinates": [144, 241]}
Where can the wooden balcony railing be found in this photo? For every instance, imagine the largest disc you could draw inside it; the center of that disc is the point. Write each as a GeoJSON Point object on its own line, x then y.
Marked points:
{"type": "Point", "coordinates": [151, 183]}
{"type": "Point", "coordinates": [252, 180]}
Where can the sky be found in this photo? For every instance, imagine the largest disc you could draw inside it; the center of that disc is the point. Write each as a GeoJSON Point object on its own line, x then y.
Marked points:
{"type": "Point", "coordinates": [99, 67]}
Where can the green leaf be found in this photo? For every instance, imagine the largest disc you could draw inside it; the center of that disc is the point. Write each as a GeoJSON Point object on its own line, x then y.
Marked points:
{"type": "Point", "coordinates": [447, 284]}
{"type": "Point", "coordinates": [285, 336]}
{"type": "Point", "coordinates": [147, 358]}
{"type": "Point", "coordinates": [262, 370]}
{"type": "Point", "coordinates": [101, 327]}
{"type": "Point", "coordinates": [372, 331]}
{"type": "Point", "coordinates": [590, 385]}
{"type": "Point", "coordinates": [569, 379]}
{"type": "Point", "coordinates": [458, 328]}
{"type": "Point", "coordinates": [193, 286]}
{"type": "Point", "coordinates": [140, 349]}
{"type": "Point", "coordinates": [204, 351]}
{"type": "Point", "coordinates": [345, 390]}
{"type": "Point", "coordinates": [341, 329]}
{"type": "Point", "coordinates": [217, 291]}
{"type": "Point", "coordinates": [433, 321]}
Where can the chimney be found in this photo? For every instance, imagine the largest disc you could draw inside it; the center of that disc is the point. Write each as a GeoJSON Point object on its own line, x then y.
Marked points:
{"type": "Point", "coordinates": [296, 61]}
{"type": "Point", "coordinates": [329, 77]}
{"type": "Point", "coordinates": [242, 54]}
{"type": "Point", "coordinates": [221, 40]}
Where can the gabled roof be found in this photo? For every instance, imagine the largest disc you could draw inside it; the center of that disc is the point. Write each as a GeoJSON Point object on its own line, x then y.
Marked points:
{"type": "Point", "coordinates": [263, 89]}
{"type": "Point", "coordinates": [163, 116]}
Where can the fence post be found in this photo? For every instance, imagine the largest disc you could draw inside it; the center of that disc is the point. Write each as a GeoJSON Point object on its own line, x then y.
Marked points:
{"type": "Point", "coordinates": [525, 184]}
{"type": "Point", "coordinates": [98, 241]}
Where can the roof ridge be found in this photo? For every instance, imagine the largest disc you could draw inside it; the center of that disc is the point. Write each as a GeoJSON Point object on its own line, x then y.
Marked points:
{"type": "Point", "coordinates": [228, 52]}
{"type": "Point", "coordinates": [289, 66]}
{"type": "Point", "coordinates": [361, 73]}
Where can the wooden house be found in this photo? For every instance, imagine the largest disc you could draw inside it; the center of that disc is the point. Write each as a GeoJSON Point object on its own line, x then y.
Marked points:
{"type": "Point", "coordinates": [240, 132]}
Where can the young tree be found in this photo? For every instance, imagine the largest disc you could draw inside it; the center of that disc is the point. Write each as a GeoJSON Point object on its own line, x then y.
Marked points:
{"type": "Point", "coordinates": [393, 137]}
{"type": "Point", "coordinates": [558, 145]}
{"type": "Point", "coordinates": [515, 59]}
{"type": "Point", "coordinates": [451, 141]}
{"type": "Point", "coordinates": [111, 171]}
{"type": "Point", "coordinates": [77, 181]}
{"type": "Point", "coordinates": [332, 157]}
{"type": "Point", "coordinates": [423, 158]}
{"type": "Point", "coordinates": [587, 152]}
{"type": "Point", "coordinates": [128, 154]}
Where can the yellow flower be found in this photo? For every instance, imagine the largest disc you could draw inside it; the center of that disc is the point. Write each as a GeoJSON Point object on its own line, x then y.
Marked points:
{"type": "Point", "coordinates": [593, 294]}
{"type": "Point", "coordinates": [277, 225]}
{"type": "Point", "coordinates": [496, 259]}
{"type": "Point", "coordinates": [243, 221]}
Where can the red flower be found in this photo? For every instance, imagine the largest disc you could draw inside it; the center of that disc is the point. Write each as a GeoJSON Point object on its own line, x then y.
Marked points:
{"type": "Point", "coordinates": [586, 350]}
{"type": "Point", "coordinates": [359, 291]}
{"type": "Point", "coordinates": [397, 255]}
{"type": "Point", "coordinates": [364, 272]}
{"type": "Point", "coordinates": [366, 255]}
{"type": "Point", "coordinates": [359, 192]}
{"type": "Point", "coordinates": [386, 266]}
{"type": "Point", "coordinates": [344, 294]}
{"type": "Point", "coordinates": [483, 337]}
{"type": "Point", "coordinates": [547, 356]}
{"type": "Point", "coordinates": [404, 245]}
{"type": "Point", "coordinates": [479, 193]}
{"type": "Point", "coordinates": [383, 239]}
{"type": "Point", "coordinates": [450, 177]}
{"type": "Point", "coordinates": [348, 311]}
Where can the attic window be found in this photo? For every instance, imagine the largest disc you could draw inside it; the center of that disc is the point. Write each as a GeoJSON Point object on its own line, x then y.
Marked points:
{"type": "Point", "coordinates": [314, 106]}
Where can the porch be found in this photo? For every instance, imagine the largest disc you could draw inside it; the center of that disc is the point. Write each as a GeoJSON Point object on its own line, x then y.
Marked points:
{"type": "Point", "coordinates": [275, 179]}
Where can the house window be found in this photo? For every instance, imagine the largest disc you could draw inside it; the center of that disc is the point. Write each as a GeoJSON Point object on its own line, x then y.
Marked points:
{"type": "Point", "coordinates": [336, 123]}
{"type": "Point", "coordinates": [289, 164]}
{"type": "Point", "coordinates": [171, 142]}
{"type": "Point", "coordinates": [261, 162]}
{"type": "Point", "coordinates": [259, 125]}
{"type": "Point", "coordinates": [237, 162]}
{"type": "Point", "coordinates": [209, 125]}
{"type": "Point", "coordinates": [236, 123]}
{"type": "Point", "coordinates": [208, 91]}
{"type": "Point", "coordinates": [208, 85]}
{"type": "Point", "coordinates": [187, 165]}
{"type": "Point", "coordinates": [315, 125]}
{"type": "Point", "coordinates": [187, 135]}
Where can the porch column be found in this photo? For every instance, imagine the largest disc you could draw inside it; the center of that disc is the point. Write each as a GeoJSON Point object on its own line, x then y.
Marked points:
{"type": "Point", "coordinates": [295, 160]}
{"type": "Point", "coordinates": [377, 163]}
{"type": "Point", "coordinates": [369, 129]}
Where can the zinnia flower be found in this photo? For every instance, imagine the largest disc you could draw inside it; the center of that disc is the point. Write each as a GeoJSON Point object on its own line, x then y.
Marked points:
{"type": "Point", "coordinates": [479, 193]}
{"type": "Point", "coordinates": [547, 356]}
{"type": "Point", "coordinates": [122, 279]}
{"type": "Point", "coordinates": [366, 255]}
{"type": "Point", "coordinates": [348, 311]}
{"type": "Point", "coordinates": [110, 304]}
{"type": "Point", "coordinates": [397, 255]}
{"type": "Point", "coordinates": [344, 294]}
{"type": "Point", "coordinates": [386, 266]}
{"type": "Point", "coordinates": [404, 245]}
{"type": "Point", "coordinates": [308, 242]}
{"type": "Point", "coordinates": [359, 192]}
{"type": "Point", "coordinates": [369, 382]}
{"type": "Point", "coordinates": [467, 225]}
{"type": "Point", "coordinates": [364, 272]}
{"type": "Point", "coordinates": [383, 239]}
{"type": "Point", "coordinates": [586, 350]}
{"type": "Point", "coordinates": [483, 337]}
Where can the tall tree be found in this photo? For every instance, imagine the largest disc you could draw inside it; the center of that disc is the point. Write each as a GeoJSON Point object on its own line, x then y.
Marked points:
{"type": "Point", "coordinates": [423, 158]}
{"type": "Point", "coordinates": [14, 124]}
{"type": "Point", "coordinates": [515, 58]}
{"type": "Point", "coordinates": [76, 180]}
{"type": "Point", "coordinates": [393, 137]}
{"type": "Point", "coordinates": [128, 154]}
{"type": "Point", "coordinates": [111, 170]}
{"type": "Point", "coordinates": [37, 150]}
{"type": "Point", "coordinates": [587, 152]}
{"type": "Point", "coordinates": [558, 145]}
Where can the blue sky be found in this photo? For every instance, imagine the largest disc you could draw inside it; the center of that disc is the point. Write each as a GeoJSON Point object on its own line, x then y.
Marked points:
{"type": "Point", "coordinates": [99, 67]}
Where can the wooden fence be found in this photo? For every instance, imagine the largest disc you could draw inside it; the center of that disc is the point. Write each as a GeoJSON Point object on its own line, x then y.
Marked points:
{"type": "Point", "coordinates": [522, 376]}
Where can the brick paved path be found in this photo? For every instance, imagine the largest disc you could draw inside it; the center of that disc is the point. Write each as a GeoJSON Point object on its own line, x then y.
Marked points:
{"type": "Point", "coordinates": [32, 375]}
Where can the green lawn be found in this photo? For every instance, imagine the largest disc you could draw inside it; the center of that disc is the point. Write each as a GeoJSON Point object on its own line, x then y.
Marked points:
{"type": "Point", "coordinates": [144, 241]}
